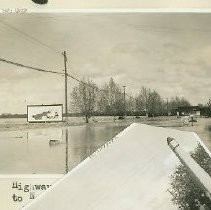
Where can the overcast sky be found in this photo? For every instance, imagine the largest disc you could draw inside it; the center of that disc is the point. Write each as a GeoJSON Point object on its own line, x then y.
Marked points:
{"type": "Point", "coordinates": [170, 53]}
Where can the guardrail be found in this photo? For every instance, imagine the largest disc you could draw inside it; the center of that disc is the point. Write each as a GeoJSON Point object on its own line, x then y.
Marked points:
{"type": "Point", "coordinates": [198, 174]}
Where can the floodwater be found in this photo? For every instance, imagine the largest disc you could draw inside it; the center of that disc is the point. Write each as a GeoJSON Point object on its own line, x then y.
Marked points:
{"type": "Point", "coordinates": [46, 151]}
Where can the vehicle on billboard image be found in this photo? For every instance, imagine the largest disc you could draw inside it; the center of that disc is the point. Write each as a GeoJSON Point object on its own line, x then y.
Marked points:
{"type": "Point", "coordinates": [44, 113]}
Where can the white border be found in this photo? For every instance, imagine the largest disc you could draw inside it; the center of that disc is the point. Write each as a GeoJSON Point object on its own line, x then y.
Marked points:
{"type": "Point", "coordinates": [130, 10]}
{"type": "Point", "coordinates": [106, 10]}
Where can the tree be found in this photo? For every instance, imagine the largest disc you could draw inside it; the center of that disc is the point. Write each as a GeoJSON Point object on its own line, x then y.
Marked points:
{"type": "Point", "coordinates": [184, 190]}
{"type": "Point", "coordinates": [208, 108]}
{"type": "Point", "coordinates": [110, 101]}
{"type": "Point", "coordinates": [177, 102]}
{"type": "Point", "coordinates": [84, 98]}
{"type": "Point", "coordinates": [142, 100]}
{"type": "Point", "coordinates": [149, 101]}
{"type": "Point", "coordinates": [200, 105]}
{"type": "Point", "coordinates": [130, 105]}
{"type": "Point", "coordinates": [209, 103]}
{"type": "Point", "coordinates": [154, 104]}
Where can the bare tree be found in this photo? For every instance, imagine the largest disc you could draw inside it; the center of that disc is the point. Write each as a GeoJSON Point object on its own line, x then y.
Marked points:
{"type": "Point", "coordinates": [110, 101]}
{"type": "Point", "coordinates": [177, 102]}
{"type": "Point", "coordinates": [154, 104]}
{"type": "Point", "coordinates": [142, 100]}
{"type": "Point", "coordinates": [84, 98]}
{"type": "Point", "coordinates": [209, 103]}
{"type": "Point", "coordinates": [130, 105]}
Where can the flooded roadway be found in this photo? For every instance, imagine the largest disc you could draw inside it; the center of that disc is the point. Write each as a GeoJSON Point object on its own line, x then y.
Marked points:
{"type": "Point", "coordinates": [44, 150]}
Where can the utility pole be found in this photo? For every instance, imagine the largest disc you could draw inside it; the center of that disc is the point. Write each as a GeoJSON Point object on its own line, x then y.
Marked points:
{"type": "Point", "coordinates": [65, 76]}
{"type": "Point", "coordinates": [167, 106]}
{"type": "Point", "coordinates": [124, 101]}
{"type": "Point", "coordinates": [66, 111]}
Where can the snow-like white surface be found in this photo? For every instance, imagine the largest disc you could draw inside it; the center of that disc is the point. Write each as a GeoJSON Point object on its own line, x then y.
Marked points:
{"type": "Point", "coordinates": [129, 173]}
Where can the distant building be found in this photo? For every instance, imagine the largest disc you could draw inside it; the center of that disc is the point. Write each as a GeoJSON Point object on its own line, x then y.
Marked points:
{"type": "Point", "coordinates": [188, 110]}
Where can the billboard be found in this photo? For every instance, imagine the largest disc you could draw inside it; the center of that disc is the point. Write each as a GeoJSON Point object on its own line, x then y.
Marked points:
{"type": "Point", "coordinates": [44, 113]}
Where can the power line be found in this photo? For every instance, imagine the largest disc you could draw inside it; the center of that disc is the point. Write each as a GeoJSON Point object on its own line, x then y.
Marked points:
{"type": "Point", "coordinates": [46, 71]}
{"type": "Point", "coordinates": [30, 67]}
{"type": "Point", "coordinates": [85, 83]}
{"type": "Point", "coordinates": [55, 72]}
{"type": "Point", "coordinates": [94, 87]}
{"type": "Point", "coordinates": [30, 37]}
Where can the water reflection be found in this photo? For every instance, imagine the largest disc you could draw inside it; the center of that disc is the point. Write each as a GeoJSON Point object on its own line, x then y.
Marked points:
{"type": "Point", "coordinates": [55, 150]}
{"type": "Point", "coordinates": [67, 150]}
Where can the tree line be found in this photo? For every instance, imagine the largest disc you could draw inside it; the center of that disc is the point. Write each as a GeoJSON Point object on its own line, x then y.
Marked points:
{"type": "Point", "coordinates": [109, 100]}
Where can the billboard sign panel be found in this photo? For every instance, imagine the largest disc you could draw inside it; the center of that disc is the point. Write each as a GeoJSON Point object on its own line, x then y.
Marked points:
{"type": "Point", "coordinates": [44, 113]}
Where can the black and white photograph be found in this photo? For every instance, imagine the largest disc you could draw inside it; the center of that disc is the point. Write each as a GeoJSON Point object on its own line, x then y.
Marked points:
{"type": "Point", "coordinates": [105, 111]}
